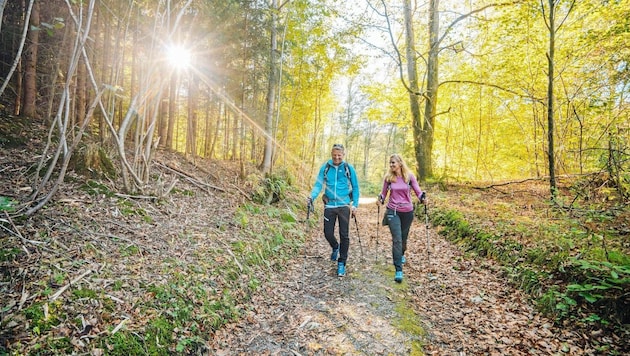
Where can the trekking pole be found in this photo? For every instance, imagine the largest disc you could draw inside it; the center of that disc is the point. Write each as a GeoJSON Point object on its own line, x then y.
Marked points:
{"type": "Point", "coordinates": [426, 228]}
{"type": "Point", "coordinates": [358, 235]}
{"type": "Point", "coordinates": [309, 210]}
{"type": "Point", "coordinates": [378, 228]}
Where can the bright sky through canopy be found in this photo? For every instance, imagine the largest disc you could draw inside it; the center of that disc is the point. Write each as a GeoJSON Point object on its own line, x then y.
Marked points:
{"type": "Point", "coordinates": [178, 56]}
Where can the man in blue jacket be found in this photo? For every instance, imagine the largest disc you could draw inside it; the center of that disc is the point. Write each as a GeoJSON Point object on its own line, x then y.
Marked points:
{"type": "Point", "coordinates": [341, 199]}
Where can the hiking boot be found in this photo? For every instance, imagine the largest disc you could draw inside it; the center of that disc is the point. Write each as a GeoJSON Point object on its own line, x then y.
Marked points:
{"type": "Point", "coordinates": [403, 259]}
{"type": "Point", "coordinates": [334, 254]}
{"type": "Point", "coordinates": [341, 269]}
{"type": "Point", "coordinates": [399, 277]}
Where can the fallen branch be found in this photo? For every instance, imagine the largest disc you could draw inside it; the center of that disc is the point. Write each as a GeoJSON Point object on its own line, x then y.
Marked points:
{"type": "Point", "coordinates": [491, 186]}
{"type": "Point", "coordinates": [189, 177]}
{"type": "Point", "coordinates": [17, 233]}
{"type": "Point", "coordinates": [232, 254]}
{"type": "Point", "coordinates": [64, 288]}
{"type": "Point", "coordinates": [242, 192]}
{"type": "Point", "coordinates": [148, 197]}
{"type": "Point", "coordinates": [120, 325]}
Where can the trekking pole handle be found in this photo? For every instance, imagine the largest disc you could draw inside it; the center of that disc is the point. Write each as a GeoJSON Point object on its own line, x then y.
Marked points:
{"type": "Point", "coordinates": [423, 200]}
{"type": "Point", "coordinates": [309, 209]}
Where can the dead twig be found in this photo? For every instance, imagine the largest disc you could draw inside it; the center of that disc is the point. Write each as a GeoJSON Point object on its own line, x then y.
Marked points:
{"type": "Point", "coordinates": [17, 233]}
{"type": "Point", "coordinates": [64, 288]}
{"type": "Point", "coordinates": [493, 186]}
{"type": "Point", "coordinates": [242, 192]}
{"type": "Point", "coordinates": [119, 326]}
{"type": "Point", "coordinates": [189, 177]}
{"type": "Point", "coordinates": [240, 267]}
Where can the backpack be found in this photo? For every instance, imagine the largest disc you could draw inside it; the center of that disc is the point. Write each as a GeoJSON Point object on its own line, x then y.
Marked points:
{"type": "Point", "coordinates": [347, 168]}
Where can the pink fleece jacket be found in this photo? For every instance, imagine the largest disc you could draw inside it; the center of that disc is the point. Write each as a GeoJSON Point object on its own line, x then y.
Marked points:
{"type": "Point", "coordinates": [400, 193]}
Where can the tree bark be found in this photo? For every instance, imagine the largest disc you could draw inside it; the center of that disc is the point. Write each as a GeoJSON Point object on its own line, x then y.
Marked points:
{"type": "Point", "coordinates": [30, 66]}
{"type": "Point", "coordinates": [550, 99]}
{"type": "Point", "coordinates": [414, 104]}
{"type": "Point", "coordinates": [3, 3]}
{"type": "Point", "coordinates": [271, 90]}
{"type": "Point", "coordinates": [172, 97]}
{"type": "Point", "coordinates": [191, 140]}
{"type": "Point", "coordinates": [430, 107]}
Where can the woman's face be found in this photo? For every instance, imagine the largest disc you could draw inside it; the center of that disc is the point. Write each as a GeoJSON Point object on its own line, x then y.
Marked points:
{"type": "Point", "coordinates": [394, 165]}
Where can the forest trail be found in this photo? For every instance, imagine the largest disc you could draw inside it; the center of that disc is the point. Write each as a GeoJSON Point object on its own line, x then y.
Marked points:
{"type": "Point", "coordinates": [448, 304]}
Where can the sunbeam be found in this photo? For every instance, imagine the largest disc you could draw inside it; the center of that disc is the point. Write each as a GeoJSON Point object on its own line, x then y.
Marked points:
{"type": "Point", "coordinates": [178, 56]}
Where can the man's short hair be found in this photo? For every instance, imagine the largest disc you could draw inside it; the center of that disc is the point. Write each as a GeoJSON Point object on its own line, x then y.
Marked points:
{"type": "Point", "coordinates": [338, 146]}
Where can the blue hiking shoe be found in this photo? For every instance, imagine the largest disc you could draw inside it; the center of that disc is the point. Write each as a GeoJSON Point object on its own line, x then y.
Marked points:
{"type": "Point", "coordinates": [399, 277]}
{"type": "Point", "coordinates": [341, 269]}
{"type": "Point", "coordinates": [403, 259]}
{"type": "Point", "coordinates": [334, 254]}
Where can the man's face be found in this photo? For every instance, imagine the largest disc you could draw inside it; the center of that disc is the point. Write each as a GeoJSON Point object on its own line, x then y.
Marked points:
{"type": "Point", "coordinates": [337, 156]}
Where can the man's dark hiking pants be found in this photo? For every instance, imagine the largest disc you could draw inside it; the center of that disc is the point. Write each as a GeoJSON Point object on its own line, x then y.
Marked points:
{"type": "Point", "coordinates": [331, 215]}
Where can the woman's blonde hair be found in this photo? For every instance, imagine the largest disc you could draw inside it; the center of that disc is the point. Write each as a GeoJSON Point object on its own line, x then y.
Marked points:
{"type": "Point", "coordinates": [391, 176]}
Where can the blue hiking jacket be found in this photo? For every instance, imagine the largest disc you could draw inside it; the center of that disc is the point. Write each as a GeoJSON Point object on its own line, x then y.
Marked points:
{"type": "Point", "coordinates": [338, 186]}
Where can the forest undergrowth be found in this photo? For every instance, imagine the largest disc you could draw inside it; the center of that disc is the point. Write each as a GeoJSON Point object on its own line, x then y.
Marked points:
{"type": "Point", "coordinates": [572, 256]}
{"type": "Point", "coordinates": [231, 266]}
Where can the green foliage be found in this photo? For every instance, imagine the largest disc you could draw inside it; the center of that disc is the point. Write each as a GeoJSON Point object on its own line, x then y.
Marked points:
{"type": "Point", "coordinates": [159, 333]}
{"type": "Point", "coordinates": [93, 187]}
{"type": "Point", "coordinates": [7, 204]}
{"type": "Point", "coordinates": [184, 192]}
{"type": "Point", "coordinates": [595, 281]}
{"type": "Point", "coordinates": [84, 293]}
{"type": "Point", "coordinates": [597, 278]}
{"type": "Point", "coordinates": [50, 28]}
{"type": "Point", "coordinates": [128, 208]}
{"type": "Point", "coordinates": [555, 303]}
{"type": "Point", "coordinates": [92, 160]}
{"type": "Point", "coordinates": [9, 254]}
{"type": "Point", "coordinates": [272, 188]}
{"type": "Point", "coordinates": [124, 343]}
{"type": "Point", "coordinates": [129, 250]}
{"type": "Point", "coordinates": [527, 278]}
{"type": "Point", "coordinates": [288, 216]}
{"type": "Point", "coordinates": [41, 322]}
{"type": "Point", "coordinates": [409, 322]}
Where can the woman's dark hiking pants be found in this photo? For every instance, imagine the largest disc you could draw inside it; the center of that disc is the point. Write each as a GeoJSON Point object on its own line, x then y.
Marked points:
{"type": "Point", "coordinates": [399, 226]}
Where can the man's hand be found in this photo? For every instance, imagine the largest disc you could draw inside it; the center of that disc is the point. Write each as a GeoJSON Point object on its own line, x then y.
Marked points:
{"type": "Point", "coordinates": [354, 211]}
{"type": "Point", "coordinates": [309, 201]}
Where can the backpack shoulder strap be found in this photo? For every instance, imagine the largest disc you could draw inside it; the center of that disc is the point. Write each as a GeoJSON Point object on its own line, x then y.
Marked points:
{"type": "Point", "coordinates": [390, 183]}
{"type": "Point", "coordinates": [326, 172]}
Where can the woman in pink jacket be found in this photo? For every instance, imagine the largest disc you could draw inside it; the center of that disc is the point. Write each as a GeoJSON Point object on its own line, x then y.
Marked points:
{"type": "Point", "coordinates": [399, 182]}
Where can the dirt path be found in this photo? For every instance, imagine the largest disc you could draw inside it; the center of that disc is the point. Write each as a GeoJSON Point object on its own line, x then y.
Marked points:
{"type": "Point", "coordinates": [447, 305]}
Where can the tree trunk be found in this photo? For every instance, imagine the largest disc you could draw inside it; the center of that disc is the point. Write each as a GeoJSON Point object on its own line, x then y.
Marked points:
{"type": "Point", "coordinates": [271, 90]}
{"type": "Point", "coordinates": [81, 93]}
{"type": "Point", "coordinates": [172, 95]}
{"type": "Point", "coordinates": [430, 107]}
{"type": "Point", "coordinates": [191, 139]}
{"type": "Point", "coordinates": [30, 66]}
{"type": "Point", "coordinates": [414, 104]}
{"type": "Point", "coordinates": [3, 3]}
{"type": "Point", "coordinates": [550, 98]}
{"type": "Point", "coordinates": [163, 121]}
